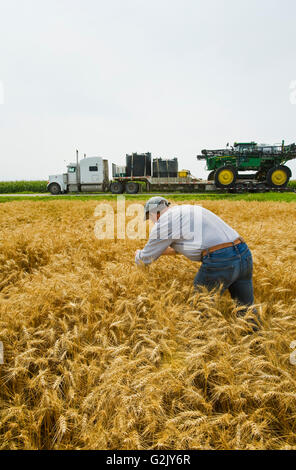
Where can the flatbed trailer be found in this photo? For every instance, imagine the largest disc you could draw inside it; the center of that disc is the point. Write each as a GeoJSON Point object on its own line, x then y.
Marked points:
{"type": "Point", "coordinates": [132, 184]}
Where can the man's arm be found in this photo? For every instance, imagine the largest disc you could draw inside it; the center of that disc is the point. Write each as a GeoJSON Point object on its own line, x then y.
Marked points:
{"type": "Point", "coordinates": [154, 249]}
{"type": "Point", "coordinates": [168, 252]}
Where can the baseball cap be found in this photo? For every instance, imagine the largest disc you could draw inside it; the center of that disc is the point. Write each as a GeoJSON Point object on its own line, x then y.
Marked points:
{"type": "Point", "coordinates": [154, 205]}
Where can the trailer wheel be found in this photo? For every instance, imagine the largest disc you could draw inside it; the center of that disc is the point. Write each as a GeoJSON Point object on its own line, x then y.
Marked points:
{"type": "Point", "coordinates": [132, 188]}
{"type": "Point", "coordinates": [225, 176]}
{"type": "Point", "coordinates": [278, 177]}
{"type": "Point", "coordinates": [211, 176]}
{"type": "Point", "coordinates": [55, 188]}
{"type": "Point", "coordinates": [116, 187]}
{"type": "Point", "coordinates": [240, 188]}
{"type": "Point", "coordinates": [260, 188]}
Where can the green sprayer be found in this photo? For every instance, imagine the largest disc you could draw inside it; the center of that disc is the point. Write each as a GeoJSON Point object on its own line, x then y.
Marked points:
{"type": "Point", "coordinates": [266, 162]}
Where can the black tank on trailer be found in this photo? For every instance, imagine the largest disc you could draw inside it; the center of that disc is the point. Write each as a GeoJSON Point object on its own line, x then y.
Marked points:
{"type": "Point", "coordinates": [138, 164]}
{"type": "Point", "coordinates": [165, 168]}
{"type": "Point", "coordinates": [173, 168]}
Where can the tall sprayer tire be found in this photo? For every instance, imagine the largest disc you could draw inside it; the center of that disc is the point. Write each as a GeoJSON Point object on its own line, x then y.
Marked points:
{"type": "Point", "coordinates": [131, 187]}
{"type": "Point", "coordinates": [211, 176]}
{"type": "Point", "coordinates": [116, 187]}
{"type": "Point", "coordinates": [278, 176]}
{"type": "Point", "coordinates": [55, 188]}
{"type": "Point", "coordinates": [225, 177]}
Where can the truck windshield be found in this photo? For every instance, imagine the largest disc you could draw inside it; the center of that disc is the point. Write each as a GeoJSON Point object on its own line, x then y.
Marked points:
{"type": "Point", "coordinates": [71, 169]}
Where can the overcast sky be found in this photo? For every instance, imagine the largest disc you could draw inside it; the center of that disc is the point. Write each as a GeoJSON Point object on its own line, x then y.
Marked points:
{"type": "Point", "coordinates": [118, 76]}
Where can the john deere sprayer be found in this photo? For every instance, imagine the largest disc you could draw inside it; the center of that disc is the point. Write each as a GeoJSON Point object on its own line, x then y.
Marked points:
{"type": "Point", "coordinates": [228, 166]}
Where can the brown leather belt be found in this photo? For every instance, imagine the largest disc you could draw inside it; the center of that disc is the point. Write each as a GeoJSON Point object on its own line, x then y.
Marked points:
{"type": "Point", "coordinates": [221, 246]}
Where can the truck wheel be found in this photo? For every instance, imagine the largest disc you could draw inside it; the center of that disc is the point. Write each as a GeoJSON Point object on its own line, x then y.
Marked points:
{"type": "Point", "coordinates": [211, 176]}
{"type": "Point", "coordinates": [55, 188]}
{"type": "Point", "coordinates": [116, 187]}
{"type": "Point", "coordinates": [278, 177]}
{"type": "Point", "coordinates": [132, 188]}
{"type": "Point", "coordinates": [225, 176]}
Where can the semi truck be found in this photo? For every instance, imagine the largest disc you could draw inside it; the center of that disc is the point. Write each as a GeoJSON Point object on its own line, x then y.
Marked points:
{"type": "Point", "coordinates": [90, 174]}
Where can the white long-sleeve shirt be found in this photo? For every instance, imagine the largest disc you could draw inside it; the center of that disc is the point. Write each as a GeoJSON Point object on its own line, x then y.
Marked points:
{"type": "Point", "coordinates": [189, 229]}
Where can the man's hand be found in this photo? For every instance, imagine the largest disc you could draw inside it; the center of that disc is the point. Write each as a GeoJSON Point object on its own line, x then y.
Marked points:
{"type": "Point", "coordinates": [169, 252]}
{"type": "Point", "coordinates": [137, 260]}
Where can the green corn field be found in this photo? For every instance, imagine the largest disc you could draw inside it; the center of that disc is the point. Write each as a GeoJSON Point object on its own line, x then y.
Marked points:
{"type": "Point", "coordinates": [7, 187]}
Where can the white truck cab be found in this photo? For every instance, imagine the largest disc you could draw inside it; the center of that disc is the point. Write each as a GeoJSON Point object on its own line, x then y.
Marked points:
{"type": "Point", "coordinates": [89, 175]}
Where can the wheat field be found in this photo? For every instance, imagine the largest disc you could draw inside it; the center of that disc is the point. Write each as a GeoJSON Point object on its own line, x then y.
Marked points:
{"type": "Point", "coordinates": [99, 354]}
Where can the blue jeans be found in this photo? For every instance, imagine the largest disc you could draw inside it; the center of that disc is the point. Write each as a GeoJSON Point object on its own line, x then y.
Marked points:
{"type": "Point", "coordinates": [233, 268]}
